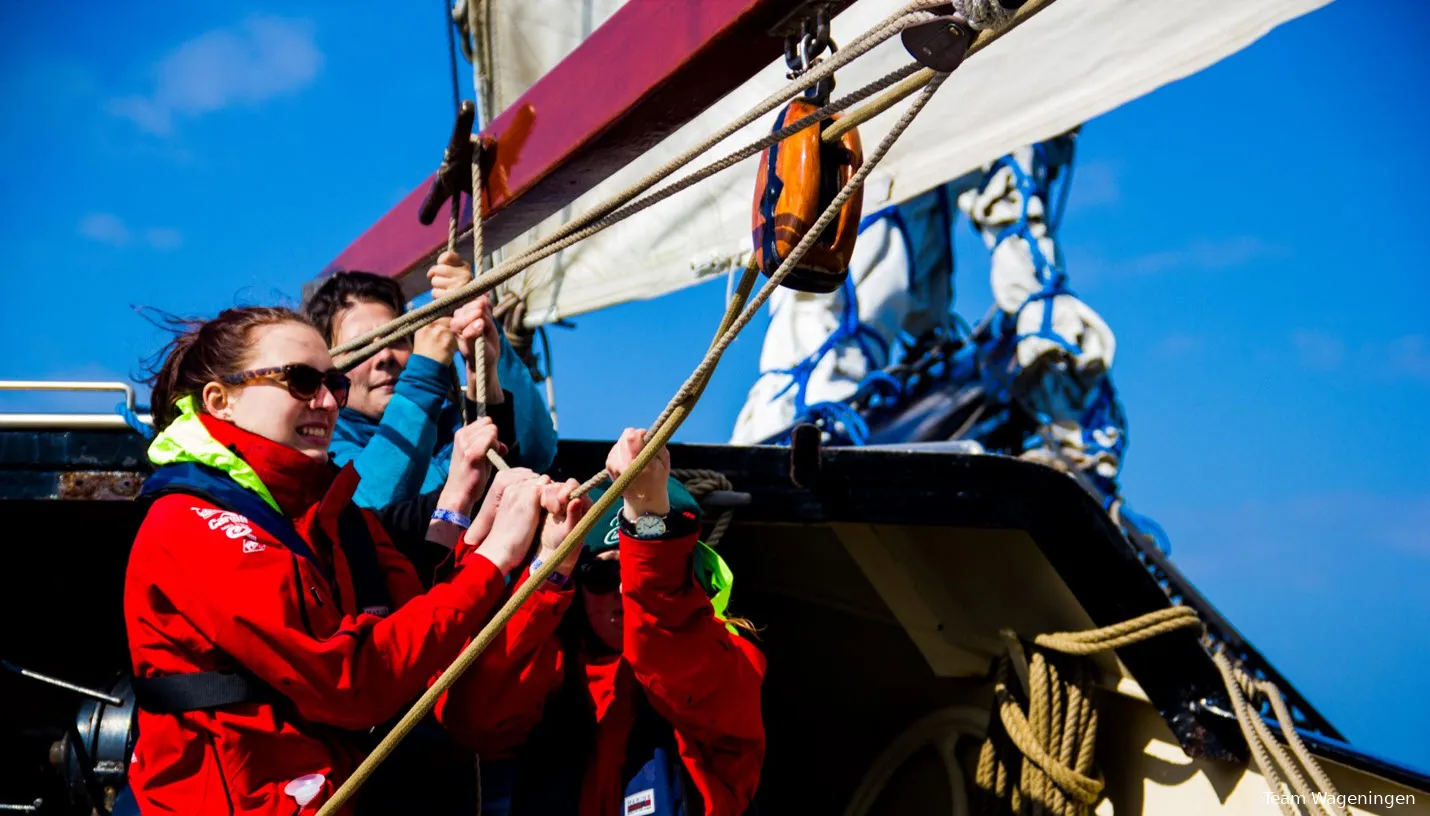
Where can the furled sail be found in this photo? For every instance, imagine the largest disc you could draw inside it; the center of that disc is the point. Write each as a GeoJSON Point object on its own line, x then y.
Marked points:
{"type": "Point", "coordinates": [1073, 61]}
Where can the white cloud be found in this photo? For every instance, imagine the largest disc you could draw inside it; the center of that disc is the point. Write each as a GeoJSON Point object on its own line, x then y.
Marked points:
{"type": "Point", "coordinates": [1095, 184]}
{"type": "Point", "coordinates": [262, 58]}
{"type": "Point", "coordinates": [1404, 358]}
{"type": "Point", "coordinates": [1318, 350]}
{"type": "Point", "coordinates": [1177, 345]}
{"type": "Point", "coordinates": [105, 228]}
{"type": "Point", "coordinates": [163, 238]}
{"type": "Point", "coordinates": [110, 229]}
{"type": "Point", "coordinates": [1197, 256]}
{"type": "Point", "coordinates": [1409, 356]}
{"type": "Point", "coordinates": [1303, 540]}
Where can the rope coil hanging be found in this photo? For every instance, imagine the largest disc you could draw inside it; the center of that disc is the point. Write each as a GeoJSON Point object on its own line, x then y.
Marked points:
{"type": "Point", "coordinates": [1038, 755]}
{"type": "Point", "coordinates": [1039, 759]}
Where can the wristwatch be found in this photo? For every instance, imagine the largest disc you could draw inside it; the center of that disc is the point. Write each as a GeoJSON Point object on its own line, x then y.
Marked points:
{"type": "Point", "coordinates": [650, 527]}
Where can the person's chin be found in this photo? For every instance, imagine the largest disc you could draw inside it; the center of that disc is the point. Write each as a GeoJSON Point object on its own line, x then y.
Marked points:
{"type": "Point", "coordinates": [378, 398]}
{"type": "Point", "coordinates": [312, 448]}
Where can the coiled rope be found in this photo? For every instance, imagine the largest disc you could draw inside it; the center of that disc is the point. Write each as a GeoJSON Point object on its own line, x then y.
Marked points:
{"type": "Point", "coordinates": [1040, 760]}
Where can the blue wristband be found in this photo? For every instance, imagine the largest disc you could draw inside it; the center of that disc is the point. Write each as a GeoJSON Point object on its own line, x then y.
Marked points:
{"type": "Point", "coordinates": [451, 517]}
{"type": "Point", "coordinates": [555, 577]}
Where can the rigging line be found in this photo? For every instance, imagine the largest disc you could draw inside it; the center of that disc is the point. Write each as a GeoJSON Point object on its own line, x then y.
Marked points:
{"type": "Point", "coordinates": [891, 26]}
{"type": "Point", "coordinates": [360, 348]}
{"type": "Point", "coordinates": [452, 55]}
{"type": "Point", "coordinates": [477, 363]}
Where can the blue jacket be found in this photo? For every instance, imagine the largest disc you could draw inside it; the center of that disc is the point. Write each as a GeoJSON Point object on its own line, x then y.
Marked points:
{"type": "Point", "coordinates": [409, 451]}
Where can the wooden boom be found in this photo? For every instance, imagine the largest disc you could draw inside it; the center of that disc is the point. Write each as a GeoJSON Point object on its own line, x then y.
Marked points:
{"type": "Point", "coordinates": [652, 67]}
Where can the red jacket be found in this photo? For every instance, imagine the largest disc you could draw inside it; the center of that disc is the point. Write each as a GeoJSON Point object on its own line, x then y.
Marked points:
{"type": "Point", "coordinates": [698, 676]}
{"type": "Point", "coordinates": [205, 590]}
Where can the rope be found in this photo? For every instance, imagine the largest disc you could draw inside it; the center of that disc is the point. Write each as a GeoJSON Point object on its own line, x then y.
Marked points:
{"type": "Point", "coordinates": [360, 348]}
{"type": "Point", "coordinates": [887, 100]}
{"type": "Point", "coordinates": [1277, 767]}
{"type": "Point", "coordinates": [662, 430]}
{"type": "Point", "coordinates": [1054, 739]}
{"type": "Point", "coordinates": [1323, 782]}
{"type": "Point", "coordinates": [477, 362]}
{"type": "Point", "coordinates": [701, 483]}
{"type": "Point", "coordinates": [828, 216]}
{"type": "Point", "coordinates": [612, 210]}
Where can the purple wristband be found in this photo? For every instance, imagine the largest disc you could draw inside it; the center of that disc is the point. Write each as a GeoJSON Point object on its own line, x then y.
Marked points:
{"type": "Point", "coordinates": [555, 577]}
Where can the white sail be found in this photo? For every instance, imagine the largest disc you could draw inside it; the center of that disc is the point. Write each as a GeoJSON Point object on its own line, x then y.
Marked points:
{"type": "Point", "coordinates": [1073, 61]}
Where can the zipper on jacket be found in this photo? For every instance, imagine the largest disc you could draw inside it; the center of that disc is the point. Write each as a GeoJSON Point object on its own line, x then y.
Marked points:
{"type": "Point", "coordinates": [222, 779]}
{"type": "Point", "coordinates": [302, 601]}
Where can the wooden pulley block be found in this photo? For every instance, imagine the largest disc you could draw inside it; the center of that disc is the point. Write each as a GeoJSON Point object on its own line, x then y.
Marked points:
{"type": "Point", "coordinates": [941, 43]}
{"type": "Point", "coordinates": [797, 180]}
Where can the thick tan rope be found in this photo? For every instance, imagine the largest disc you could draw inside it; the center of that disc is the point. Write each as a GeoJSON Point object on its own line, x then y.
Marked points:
{"type": "Point", "coordinates": [1333, 798]}
{"type": "Point", "coordinates": [702, 372]}
{"type": "Point", "coordinates": [1270, 757]}
{"type": "Point", "coordinates": [1052, 770]}
{"type": "Point", "coordinates": [662, 429]}
{"type": "Point", "coordinates": [1122, 634]}
{"type": "Point", "coordinates": [600, 216]}
{"type": "Point", "coordinates": [1244, 718]}
{"type": "Point", "coordinates": [492, 456]}
{"type": "Point", "coordinates": [477, 362]}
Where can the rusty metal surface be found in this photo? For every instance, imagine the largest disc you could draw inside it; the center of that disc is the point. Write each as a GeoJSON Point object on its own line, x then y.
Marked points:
{"type": "Point", "coordinates": [71, 465]}
{"type": "Point", "coordinates": [102, 485]}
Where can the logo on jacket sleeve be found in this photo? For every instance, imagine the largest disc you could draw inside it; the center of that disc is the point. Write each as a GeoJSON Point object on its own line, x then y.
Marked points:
{"type": "Point", "coordinates": [641, 803]}
{"type": "Point", "coordinates": [232, 525]}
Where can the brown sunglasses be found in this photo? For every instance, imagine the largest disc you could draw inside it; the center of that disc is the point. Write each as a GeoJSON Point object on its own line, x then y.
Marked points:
{"type": "Point", "coordinates": [302, 381]}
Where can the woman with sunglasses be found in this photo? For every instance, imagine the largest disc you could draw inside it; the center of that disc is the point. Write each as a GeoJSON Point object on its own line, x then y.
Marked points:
{"type": "Point", "coordinates": [271, 624]}
{"type": "Point", "coordinates": [621, 687]}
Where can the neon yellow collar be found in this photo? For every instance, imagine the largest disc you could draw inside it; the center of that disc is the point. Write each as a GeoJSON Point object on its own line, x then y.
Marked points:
{"type": "Point", "coordinates": [187, 440]}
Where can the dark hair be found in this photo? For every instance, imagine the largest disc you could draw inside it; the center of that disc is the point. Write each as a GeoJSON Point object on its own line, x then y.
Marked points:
{"type": "Point", "coordinates": [204, 350]}
{"type": "Point", "coordinates": [344, 289]}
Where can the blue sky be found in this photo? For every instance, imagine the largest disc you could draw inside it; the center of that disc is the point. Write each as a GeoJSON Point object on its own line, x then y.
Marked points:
{"type": "Point", "coordinates": [1249, 233]}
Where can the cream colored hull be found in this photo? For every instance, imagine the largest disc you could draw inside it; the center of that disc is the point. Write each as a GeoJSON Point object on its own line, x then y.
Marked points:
{"type": "Point", "coordinates": [880, 640]}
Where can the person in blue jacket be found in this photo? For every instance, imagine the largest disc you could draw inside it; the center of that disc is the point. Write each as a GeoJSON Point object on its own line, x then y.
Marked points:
{"type": "Point", "coordinates": [399, 430]}
{"type": "Point", "coordinates": [399, 422]}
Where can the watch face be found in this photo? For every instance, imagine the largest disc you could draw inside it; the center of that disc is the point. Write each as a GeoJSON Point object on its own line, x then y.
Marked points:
{"type": "Point", "coordinates": [650, 526]}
